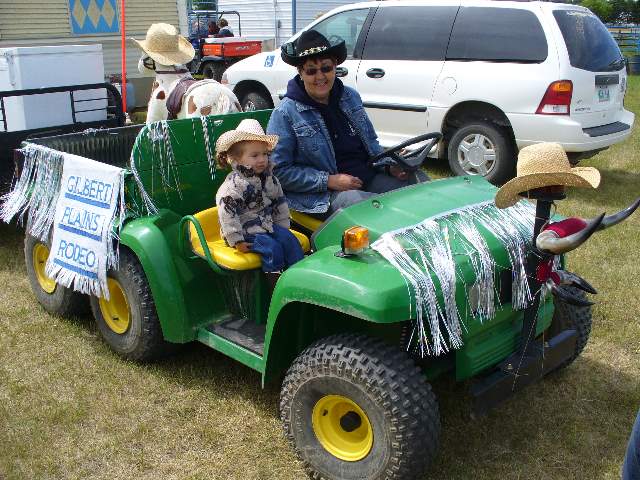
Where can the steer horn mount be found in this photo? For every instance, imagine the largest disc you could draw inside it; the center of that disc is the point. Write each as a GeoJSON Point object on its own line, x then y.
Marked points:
{"type": "Point", "coordinates": [569, 234]}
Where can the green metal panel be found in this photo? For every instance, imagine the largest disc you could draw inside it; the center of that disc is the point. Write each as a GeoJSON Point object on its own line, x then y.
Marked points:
{"type": "Point", "coordinates": [185, 289]}
{"type": "Point", "coordinates": [246, 357]}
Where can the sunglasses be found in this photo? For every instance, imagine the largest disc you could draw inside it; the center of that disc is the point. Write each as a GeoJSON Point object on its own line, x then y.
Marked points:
{"type": "Point", "coordinates": [324, 69]}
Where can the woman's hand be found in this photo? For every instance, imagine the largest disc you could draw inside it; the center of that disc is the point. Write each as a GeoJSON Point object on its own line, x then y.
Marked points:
{"type": "Point", "coordinates": [342, 182]}
{"type": "Point", "coordinates": [244, 247]}
{"type": "Point", "coordinates": [398, 172]}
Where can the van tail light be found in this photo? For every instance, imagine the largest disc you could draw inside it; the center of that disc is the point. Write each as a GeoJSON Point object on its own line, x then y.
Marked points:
{"type": "Point", "coordinates": [557, 99]}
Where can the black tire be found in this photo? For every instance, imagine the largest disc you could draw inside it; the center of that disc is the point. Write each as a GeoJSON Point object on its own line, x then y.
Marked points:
{"type": "Point", "coordinates": [567, 316]}
{"type": "Point", "coordinates": [213, 70]}
{"type": "Point", "coordinates": [61, 301]}
{"type": "Point", "coordinates": [255, 101]}
{"type": "Point", "coordinates": [401, 418]}
{"type": "Point", "coordinates": [141, 336]}
{"type": "Point", "coordinates": [484, 137]}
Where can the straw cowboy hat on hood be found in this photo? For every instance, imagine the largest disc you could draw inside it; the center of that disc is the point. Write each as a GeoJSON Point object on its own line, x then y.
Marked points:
{"type": "Point", "coordinates": [544, 165]}
{"type": "Point", "coordinates": [248, 130]}
{"type": "Point", "coordinates": [166, 46]}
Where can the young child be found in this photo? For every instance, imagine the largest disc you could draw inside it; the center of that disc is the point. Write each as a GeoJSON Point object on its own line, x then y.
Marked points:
{"type": "Point", "coordinates": [254, 216]}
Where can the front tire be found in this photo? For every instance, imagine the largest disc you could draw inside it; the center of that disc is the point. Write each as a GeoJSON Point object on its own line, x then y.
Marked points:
{"type": "Point", "coordinates": [354, 407]}
{"type": "Point", "coordinates": [482, 148]}
{"type": "Point", "coordinates": [567, 316]}
{"type": "Point", "coordinates": [128, 321]}
{"type": "Point", "coordinates": [54, 298]}
{"type": "Point", "coordinates": [253, 101]}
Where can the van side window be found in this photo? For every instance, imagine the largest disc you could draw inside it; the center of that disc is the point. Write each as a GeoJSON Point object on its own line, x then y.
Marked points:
{"type": "Point", "coordinates": [409, 33]}
{"type": "Point", "coordinates": [497, 35]}
{"type": "Point", "coordinates": [346, 25]}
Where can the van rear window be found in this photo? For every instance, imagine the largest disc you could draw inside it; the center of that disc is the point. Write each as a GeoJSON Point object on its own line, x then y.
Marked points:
{"type": "Point", "coordinates": [590, 45]}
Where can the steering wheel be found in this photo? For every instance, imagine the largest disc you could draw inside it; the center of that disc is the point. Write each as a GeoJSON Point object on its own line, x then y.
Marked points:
{"type": "Point", "coordinates": [410, 162]}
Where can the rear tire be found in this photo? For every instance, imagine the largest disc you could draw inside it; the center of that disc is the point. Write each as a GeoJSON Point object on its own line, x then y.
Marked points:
{"type": "Point", "coordinates": [128, 321]}
{"type": "Point", "coordinates": [253, 101]}
{"type": "Point", "coordinates": [54, 298]}
{"type": "Point", "coordinates": [213, 70]}
{"type": "Point", "coordinates": [482, 148]}
{"type": "Point", "coordinates": [354, 407]}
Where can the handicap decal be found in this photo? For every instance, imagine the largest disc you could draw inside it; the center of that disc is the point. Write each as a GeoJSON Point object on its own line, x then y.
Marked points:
{"type": "Point", "coordinates": [268, 62]}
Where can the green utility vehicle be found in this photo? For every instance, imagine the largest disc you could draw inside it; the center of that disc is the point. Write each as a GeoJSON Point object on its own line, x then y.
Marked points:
{"type": "Point", "coordinates": [340, 328]}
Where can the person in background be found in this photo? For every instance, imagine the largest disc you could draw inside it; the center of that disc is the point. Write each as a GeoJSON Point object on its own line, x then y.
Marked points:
{"type": "Point", "coordinates": [326, 137]}
{"type": "Point", "coordinates": [225, 29]}
{"type": "Point", "coordinates": [213, 29]}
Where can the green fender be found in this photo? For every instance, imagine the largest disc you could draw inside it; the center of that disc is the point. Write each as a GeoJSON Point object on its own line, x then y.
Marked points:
{"type": "Point", "coordinates": [148, 237]}
{"type": "Point", "coordinates": [323, 289]}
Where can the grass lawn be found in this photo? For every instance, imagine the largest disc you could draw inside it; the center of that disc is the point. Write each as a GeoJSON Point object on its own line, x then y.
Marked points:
{"type": "Point", "coordinates": [70, 408]}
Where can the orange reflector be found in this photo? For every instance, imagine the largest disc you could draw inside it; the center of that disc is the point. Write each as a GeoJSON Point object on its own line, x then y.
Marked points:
{"type": "Point", "coordinates": [562, 86]}
{"type": "Point", "coordinates": [355, 240]}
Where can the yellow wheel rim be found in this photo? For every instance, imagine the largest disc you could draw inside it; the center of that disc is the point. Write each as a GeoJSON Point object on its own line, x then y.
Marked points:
{"type": "Point", "coordinates": [342, 428]}
{"type": "Point", "coordinates": [115, 311]}
{"type": "Point", "coordinates": [40, 255]}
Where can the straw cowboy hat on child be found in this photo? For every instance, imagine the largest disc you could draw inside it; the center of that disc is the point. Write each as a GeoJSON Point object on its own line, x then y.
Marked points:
{"type": "Point", "coordinates": [544, 165]}
{"type": "Point", "coordinates": [248, 130]}
{"type": "Point", "coordinates": [166, 46]}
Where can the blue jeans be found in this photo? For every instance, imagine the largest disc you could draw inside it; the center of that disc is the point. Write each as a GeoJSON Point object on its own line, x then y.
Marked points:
{"type": "Point", "coordinates": [278, 250]}
{"type": "Point", "coordinates": [381, 183]}
{"type": "Point", "coordinates": [631, 466]}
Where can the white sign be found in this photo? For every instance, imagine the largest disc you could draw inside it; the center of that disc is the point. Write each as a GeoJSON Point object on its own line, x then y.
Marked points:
{"type": "Point", "coordinates": [81, 248]}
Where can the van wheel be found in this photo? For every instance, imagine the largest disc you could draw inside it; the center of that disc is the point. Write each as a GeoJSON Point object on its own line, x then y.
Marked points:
{"type": "Point", "coordinates": [255, 101]}
{"type": "Point", "coordinates": [354, 407]}
{"type": "Point", "coordinates": [55, 298]}
{"type": "Point", "coordinates": [213, 70]}
{"type": "Point", "coordinates": [128, 321]}
{"type": "Point", "coordinates": [482, 148]}
{"type": "Point", "coordinates": [567, 316]}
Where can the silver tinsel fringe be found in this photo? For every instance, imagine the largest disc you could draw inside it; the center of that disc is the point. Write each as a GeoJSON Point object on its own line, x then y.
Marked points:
{"type": "Point", "coordinates": [36, 191]}
{"type": "Point", "coordinates": [423, 250]}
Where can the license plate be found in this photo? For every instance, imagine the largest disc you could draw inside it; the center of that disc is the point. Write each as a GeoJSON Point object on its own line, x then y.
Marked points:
{"type": "Point", "coordinates": [603, 93]}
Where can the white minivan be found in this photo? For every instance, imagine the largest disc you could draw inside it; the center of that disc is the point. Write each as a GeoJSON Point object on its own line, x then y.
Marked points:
{"type": "Point", "coordinates": [492, 76]}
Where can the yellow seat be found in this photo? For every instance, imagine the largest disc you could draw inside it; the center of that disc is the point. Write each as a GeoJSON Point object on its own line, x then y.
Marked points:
{"type": "Point", "coordinates": [224, 255]}
{"type": "Point", "coordinates": [307, 221]}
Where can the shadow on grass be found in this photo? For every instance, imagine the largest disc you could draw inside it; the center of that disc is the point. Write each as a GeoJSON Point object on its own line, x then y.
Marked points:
{"type": "Point", "coordinates": [547, 427]}
{"type": "Point", "coordinates": [618, 187]}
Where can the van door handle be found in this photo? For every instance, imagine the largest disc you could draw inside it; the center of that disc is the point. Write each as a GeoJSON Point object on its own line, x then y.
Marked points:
{"type": "Point", "coordinates": [341, 72]}
{"type": "Point", "coordinates": [375, 73]}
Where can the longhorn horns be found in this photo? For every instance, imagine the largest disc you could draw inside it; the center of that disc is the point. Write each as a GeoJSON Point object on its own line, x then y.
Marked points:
{"type": "Point", "coordinates": [549, 241]}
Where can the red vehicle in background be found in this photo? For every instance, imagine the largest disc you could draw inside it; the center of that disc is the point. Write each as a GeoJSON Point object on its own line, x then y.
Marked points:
{"type": "Point", "coordinates": [215, 54]}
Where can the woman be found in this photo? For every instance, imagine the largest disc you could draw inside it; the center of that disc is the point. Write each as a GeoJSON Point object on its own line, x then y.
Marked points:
{"type": "Point", "coordinates": [325, 135]}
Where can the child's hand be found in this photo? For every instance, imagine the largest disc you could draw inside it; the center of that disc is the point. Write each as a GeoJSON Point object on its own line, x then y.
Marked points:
{"type": "Point", "coordinates": [243, 247]}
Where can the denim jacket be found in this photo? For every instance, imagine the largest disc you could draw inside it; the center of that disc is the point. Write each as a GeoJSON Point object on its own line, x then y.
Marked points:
{"type": "Point", "coordinates": [304, 156]}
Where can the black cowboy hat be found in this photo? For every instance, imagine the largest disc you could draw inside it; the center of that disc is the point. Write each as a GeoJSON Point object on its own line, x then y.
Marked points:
{"type": "Point", "coordinates": [312, 43]}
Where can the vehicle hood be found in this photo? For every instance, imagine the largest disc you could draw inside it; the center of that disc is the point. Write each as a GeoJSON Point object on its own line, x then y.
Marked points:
{"type": "Point", "coordinates": [405, 207]}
